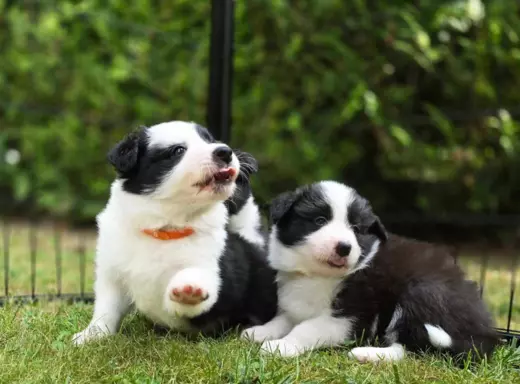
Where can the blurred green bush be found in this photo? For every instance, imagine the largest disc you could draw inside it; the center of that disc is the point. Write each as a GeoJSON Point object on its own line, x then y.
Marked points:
{"type": "Point", "coordinates": [416, 106]}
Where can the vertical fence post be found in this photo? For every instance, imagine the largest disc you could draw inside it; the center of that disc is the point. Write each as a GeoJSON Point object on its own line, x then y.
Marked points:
{"type": "Point", "coordinates": [33, 251]}
{"type": "Point", "coordinates": [58, 258]}
{"type": "Point", "coordinates": [221, 69]}
{"type": "Point", "coordinates": [6, 244]}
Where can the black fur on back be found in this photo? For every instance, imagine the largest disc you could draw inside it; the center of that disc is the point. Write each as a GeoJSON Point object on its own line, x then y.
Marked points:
{"type": "Point", "coordinates": [424, 281]}
{"type": "Point", "coordinates": [248, 294]}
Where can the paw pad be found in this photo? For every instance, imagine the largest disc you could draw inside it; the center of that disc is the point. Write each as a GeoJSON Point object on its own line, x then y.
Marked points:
{"type": "Point", "coordinates": [188, 294]}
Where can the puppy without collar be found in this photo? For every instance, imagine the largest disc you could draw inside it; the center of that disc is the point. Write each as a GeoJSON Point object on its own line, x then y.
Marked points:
{"type": "Point", "coordinates": [342, 277]}
{"type": "Point", "coordinates": [165, 244]}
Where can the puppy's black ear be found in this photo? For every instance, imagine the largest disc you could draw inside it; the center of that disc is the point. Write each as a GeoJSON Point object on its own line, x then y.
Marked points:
{"type": "Point", "coordinates": [124, 155]}
{"type": "Point", "coordinates": [377, 228]}
{"type": "Point", "coordinates": [248, 164]}
{"type": "Point", "coordinates": [281, 204]}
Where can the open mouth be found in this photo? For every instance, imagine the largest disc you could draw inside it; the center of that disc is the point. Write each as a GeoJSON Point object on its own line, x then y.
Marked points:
{"type": "Point", "coordinates": [222, 177]}
{"type": "Point", "coordinates": [337, 262]}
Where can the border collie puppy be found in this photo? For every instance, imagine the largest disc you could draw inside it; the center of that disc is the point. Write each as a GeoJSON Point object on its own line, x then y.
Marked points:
{"type": "Point", "coordinates": [342, 277]}
{"type": "Point", "coordinates": [164, 246]}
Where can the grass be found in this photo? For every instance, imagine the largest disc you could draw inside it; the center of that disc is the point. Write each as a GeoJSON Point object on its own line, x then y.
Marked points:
{"type": "Point", "coordinates": [35, 340]}
{"type": "Point", "coordinates": [35, 348]}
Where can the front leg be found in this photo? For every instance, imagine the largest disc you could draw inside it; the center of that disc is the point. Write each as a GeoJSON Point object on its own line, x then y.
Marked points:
{"type": "Point", "coordinates": [278, 327]}
{"type": "Point", "coordinates": [192, 292]}
{"type": "Point", "coordinates": [110, 306]}
{"type": "Point", "coordinates": [319, 332]}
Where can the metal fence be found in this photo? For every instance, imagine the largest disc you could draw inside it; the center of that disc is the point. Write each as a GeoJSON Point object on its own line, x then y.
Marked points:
{"type": "Point", "coordinates": [47, 261]}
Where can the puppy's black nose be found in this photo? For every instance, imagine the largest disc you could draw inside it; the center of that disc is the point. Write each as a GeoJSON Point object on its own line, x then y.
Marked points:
{"type": "Point", "coordinates": [343, 249]}
{"type": "Point", "coordinates": [224, 154]}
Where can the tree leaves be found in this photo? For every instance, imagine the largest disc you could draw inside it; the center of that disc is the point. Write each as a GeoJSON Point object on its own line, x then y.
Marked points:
{"type": "Point", "coordinates": [320, 90]}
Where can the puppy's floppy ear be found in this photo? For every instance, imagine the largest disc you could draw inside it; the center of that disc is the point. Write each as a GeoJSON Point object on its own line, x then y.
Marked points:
{"type": "Point", "coordinates": [281, 204]}
{"type": "Point", "coordinates": [368, 222]}
{"type": "Point", "coordinates": [377, 229]}
{"type": "Point", "coordinates": [124, 155]}
{"type": "Point", "coordinates": [248, 164]}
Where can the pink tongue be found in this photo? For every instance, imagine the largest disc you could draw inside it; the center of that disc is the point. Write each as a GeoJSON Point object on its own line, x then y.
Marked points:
{"type": "Point", "coordinates": [338, 262]}
{"type": "Point", "coordinates": [224, 174]}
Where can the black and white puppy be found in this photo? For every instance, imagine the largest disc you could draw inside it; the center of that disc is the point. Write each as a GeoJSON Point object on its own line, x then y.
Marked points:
{"type": "Point", "coordinates": [165, 245]}
{"type": "Point", "coordinates": [342, 277]}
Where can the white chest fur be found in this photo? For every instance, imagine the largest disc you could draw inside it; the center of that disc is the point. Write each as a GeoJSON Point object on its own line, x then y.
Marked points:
{"type": "Point", "coordinates": [144, 266]}
{"type": "Point", "coordinates": [302, 298]}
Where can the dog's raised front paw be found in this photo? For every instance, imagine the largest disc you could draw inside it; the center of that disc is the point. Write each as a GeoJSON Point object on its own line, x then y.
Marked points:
{"type": "Point", "coordinates": [285, 348]}
{"type": "Point", "coordinates": [192, 291]}
{"type": "Point", "coordinates": [189, 294]}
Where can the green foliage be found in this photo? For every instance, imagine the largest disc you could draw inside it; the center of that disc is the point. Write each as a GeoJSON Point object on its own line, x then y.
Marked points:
{"type": "Point", "coordinates": [400, 101]}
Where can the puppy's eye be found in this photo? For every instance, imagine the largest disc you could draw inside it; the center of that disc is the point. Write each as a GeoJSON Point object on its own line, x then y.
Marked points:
{"type": "Point", "coordinates": [355, 229]}
{"type": "Point", "coordinates": [179, 150]}
{"type": "Point", "coordinates": [320, 221]}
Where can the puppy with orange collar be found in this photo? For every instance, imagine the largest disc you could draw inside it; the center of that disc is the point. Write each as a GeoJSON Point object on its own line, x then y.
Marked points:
{"type": "Point", "coordinates": [166, 243]}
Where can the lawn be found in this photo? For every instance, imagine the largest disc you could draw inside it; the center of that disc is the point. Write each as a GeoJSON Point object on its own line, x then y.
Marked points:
{"type": "Point", "coordinates": [35, 348]}
{"type": "Point", "coordinates": [35, 340]}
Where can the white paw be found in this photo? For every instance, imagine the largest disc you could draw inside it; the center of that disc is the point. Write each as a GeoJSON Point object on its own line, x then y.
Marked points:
{"type": "Point", "coordinates": [257, 333]}
{"type": "Point", "coordinates": [376, 355]}
{"type": "Point", "coordinates": [285, 348]}
{"type": "Point", "coordinates": [191, 292]}
{"type": "Point", "coordinates": [363, 354]}
{"type": "Point", "coordinates": [91, 333]}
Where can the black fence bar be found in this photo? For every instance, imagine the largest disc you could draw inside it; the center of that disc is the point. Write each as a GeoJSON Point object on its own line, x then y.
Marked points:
{"type": "Point", "coordinates": [33, 250]}
{"type": "Point", "coordinates": [483, 271]}
{"type": "Point", "coordinates": [512, 291]}
{"type": "Point", "coordinates": [82, 263]}
{"type": "Point", "coordinates": [5, 242]}
{"type": "Point", "coordinates": [58, 255]}
{"type": "Point", "coordinates": [221, 69]}
{"type": "Point", "coordinates": [509, 336]}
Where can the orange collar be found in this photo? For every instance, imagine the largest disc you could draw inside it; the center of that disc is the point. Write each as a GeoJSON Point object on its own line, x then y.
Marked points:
{"type": "Point", "coordinates": [172, 234]}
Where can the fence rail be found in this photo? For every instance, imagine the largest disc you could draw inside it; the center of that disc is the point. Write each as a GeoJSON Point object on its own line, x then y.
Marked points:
{"type": "Point", "coordinates": [44, 262]}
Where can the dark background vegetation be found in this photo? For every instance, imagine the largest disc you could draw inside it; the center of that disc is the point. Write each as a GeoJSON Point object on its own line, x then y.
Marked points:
{"type": "Point", "coordinates": [415, 103]}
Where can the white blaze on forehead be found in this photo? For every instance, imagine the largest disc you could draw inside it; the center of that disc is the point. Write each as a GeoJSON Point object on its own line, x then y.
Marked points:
{"type": "Point", "coordinates": [339, 197]}
{"type": "Point", "coordinates": [173, 132]}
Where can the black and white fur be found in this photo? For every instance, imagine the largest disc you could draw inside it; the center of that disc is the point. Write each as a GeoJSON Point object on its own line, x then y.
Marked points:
{"type": "Point", "coordinates": [175, 175]}
{"type": "Point", "coordinates": [244, 214]}
{"type": "Point", "coordinates": [342, 277]}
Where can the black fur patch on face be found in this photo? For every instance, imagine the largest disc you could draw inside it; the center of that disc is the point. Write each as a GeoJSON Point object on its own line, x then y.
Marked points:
{"type": "Point", "coordinates": [366, 225]}
{"type": "Point", "coordinates": [143, 168]}
{"type": "Point", "coordinates": [204, 134]}
{"type": "Point", "coordinates": [300, 213]}
{"type": "Point", "coordinates": [363, 220]}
